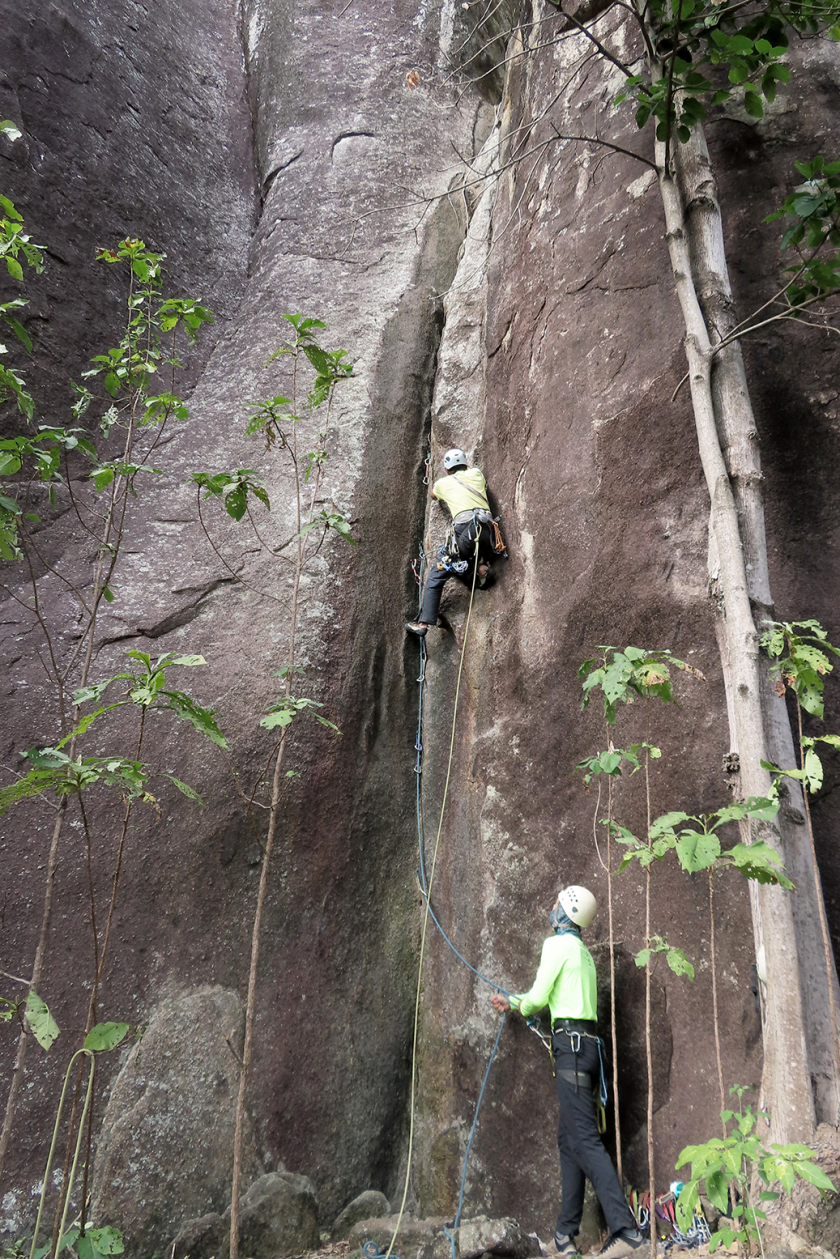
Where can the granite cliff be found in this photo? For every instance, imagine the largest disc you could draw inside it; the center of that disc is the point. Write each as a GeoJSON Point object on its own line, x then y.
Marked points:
{"type": "Point", "coordinates": [307, 157]}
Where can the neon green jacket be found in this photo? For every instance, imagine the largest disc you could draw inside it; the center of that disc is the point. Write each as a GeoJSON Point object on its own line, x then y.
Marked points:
{"type": "Point", "coordinates": [566, 981]}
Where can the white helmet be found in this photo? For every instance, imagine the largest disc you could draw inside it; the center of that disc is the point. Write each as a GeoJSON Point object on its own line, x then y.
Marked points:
{"type": "Point", "coordinates": [579, 904]}
{"type": "Point", "coordinates": [455, 458]}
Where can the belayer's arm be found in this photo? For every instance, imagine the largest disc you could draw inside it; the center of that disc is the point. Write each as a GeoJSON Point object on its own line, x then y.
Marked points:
{"type": "Point", "coordinates": [549, 968]}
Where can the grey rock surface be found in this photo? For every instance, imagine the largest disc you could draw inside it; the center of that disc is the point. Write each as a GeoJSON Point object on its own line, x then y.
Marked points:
{"type": "Point", "coordinates": [203, 1238]}
{"type": "Point", "coordinates": [279, 1216]}
{"type": "Point", "coordinates": [165, 1148]}
{"type": "Point", "coordinates": [418, 1238]}
{"type": "Point", "coordinates": [367, 1206]}
{"type": "Point", "coordinates": [480, 1236]}
{"type": "Point", "coordinates": [286, 158]}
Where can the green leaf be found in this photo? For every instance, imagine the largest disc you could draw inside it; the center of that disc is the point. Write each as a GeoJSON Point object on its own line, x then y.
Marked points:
{"type": "Point", "coordinates": [98, 1242]}
{"type": "Point", "coordinates": [753, 104]}
{"type": "Point", "coordinates": [697, 851]}
{"type": "Point", "coordinates": [185, 789]}
{"type": "Point", "coordinates": [42, 1025]}
{"type": "Point", "coordinates": [759, 861]}
{"type": "Point", "coordinates": [813, 771]}
{"type": "Point", "coordinates": [103, 1037]}
{"type": "Point", "coordinates": [717, 1190]}
{"type": "Point", "coordinates": [284, 717]}
{"type": "Point", "coordinates": [20, 332]}
{"type": "Point", "coordinates": [202, 719]}
{"type": "Point", "coordinates": [14, 268]}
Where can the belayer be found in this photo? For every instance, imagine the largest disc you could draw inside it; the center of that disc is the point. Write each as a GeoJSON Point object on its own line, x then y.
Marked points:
{"type": "Point", "coordinates": [464, 492]}
{"type": "Point", "coordinates": [566, 982]}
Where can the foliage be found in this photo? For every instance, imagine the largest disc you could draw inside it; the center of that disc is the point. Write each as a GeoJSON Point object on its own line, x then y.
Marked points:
{"type": "Point", "coordinates": [233, 489]}
{"type": "Point", "coordinates": [676, 958]}
{"type": "Point", "coordinates": [707, 53]}
{"type": "Point", "coordinates": [801, 660]}
{"type": "Point", "coordinates": [697, 845]}
{"type": "Point", "coordinates": [94, 1243]}
{"type": "Point", "coordinates": [609, 761]}
{"type": "Point", "coordinates": [127, 372]}
{"type": "Point", "coordinates": [815, 208]}
{"type": "Point", "coordinates": [63, 774]}
{"type": "Point", "coordinates": [630, 674]}
{"type": "Point", "coordinates": [727, 1165]}
{"type": "Point", "coordinates": [283, 712]}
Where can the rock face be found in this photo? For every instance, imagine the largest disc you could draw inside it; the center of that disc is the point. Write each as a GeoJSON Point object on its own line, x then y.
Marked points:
{"type": "Point", "coordinates": [303, 157]}
{"type": "Point", "coordinates": [163, 1154]}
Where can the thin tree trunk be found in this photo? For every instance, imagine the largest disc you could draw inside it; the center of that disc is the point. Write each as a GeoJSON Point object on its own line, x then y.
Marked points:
{"type": "Point", "coordinates": [787, 1085]}
{"type": "Point", "coordinates": [738, 437]}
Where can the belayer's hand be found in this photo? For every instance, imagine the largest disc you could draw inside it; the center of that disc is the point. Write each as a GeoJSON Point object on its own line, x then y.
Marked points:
{"type": "Point", "coordinates": [500, 1003]}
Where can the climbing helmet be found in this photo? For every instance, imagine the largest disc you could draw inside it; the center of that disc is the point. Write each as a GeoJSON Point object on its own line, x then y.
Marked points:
{"type": "Point", "coordinates": [578, 904]}
{"type": "Point", "coordinates": [455, 458]}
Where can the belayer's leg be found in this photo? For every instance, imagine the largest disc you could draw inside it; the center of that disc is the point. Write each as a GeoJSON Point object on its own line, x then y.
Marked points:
{"type": "Point", "coordinates": [582, 1141]}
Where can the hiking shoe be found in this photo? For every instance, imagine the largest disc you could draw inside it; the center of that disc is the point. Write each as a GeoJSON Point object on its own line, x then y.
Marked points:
{"type": "Point", "coordinates": [414, 627]}
{"type": "Point", "coordinates": [564, 1245]}
{"type": "Point", "coordinates": [625, 1242]}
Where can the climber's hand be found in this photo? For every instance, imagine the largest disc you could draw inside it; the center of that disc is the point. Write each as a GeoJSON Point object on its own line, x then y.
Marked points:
{"type": "Point", "coordinates": [500, 1003]}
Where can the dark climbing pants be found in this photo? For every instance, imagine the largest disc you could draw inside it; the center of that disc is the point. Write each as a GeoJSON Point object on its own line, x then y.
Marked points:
{"type": "Point", "coordinates": [582, 1153]}
{"type": "Point", "coordinates": [441, 572]}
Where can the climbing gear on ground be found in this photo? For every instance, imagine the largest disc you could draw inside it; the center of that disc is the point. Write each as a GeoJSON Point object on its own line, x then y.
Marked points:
{"type": "Point", "coordinates": [455, 458]}
{"type": "Point", "coordinates": [625, 1242]}
{"type": "Point", "coordinates": [370, 1250]}
{"type": "Point", "coordinates": [578, 904]}
{"type": "Point", "coordinates": [564, 1246]}
{"type": "Point", "coordinates": [414, 627]}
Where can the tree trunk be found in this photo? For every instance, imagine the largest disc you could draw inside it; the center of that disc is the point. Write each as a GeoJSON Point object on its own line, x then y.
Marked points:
{"type": "Point", "coordinates": [786, 1084]}
{"type": "Point", "coordinates": [738, 439]}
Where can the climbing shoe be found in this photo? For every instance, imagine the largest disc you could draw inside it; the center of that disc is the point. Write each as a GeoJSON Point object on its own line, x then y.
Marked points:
{"type": "Point", "coordinates": [564, 1245]}
{"type": "Point", "coordinates": [625, 1242]}
{"type": "Point", "coordinates": [414, 627]}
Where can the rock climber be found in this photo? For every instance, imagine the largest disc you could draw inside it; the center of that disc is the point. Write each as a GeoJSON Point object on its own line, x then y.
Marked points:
{"type": "Point", "coordinates": [464, 492]}
{"type": "Point", "coordinates": [566, 982]}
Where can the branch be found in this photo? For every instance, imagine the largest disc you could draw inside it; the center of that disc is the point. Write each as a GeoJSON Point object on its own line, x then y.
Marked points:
{"type": "Point", "coordinates": [607, 144]}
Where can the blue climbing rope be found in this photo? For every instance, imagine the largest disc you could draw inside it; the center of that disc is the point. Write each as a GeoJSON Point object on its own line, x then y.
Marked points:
{"type": "Point", "coordinates": [450, 1229]}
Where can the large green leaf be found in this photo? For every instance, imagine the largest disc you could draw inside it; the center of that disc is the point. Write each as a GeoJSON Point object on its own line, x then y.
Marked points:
{"type": "Point", "coordinates": [106, 1036]}
{"type": "Point", "coordinates": [41, 1023]}
{"type": "Point", "coordinates": [697, 850]}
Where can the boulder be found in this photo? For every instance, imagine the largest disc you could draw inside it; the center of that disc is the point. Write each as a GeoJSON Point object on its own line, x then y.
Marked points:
{"type": "Point", "coordinates": [279, 1217]}
{"type": "Point", "coordinates": [202, 1238]}
{"type": "Point", "coordinates": [418, 1239]}
{"type": "Point", "coordinates": [482, 1236]}
{"type": "Point", "coordinates": [369, 1205]}
{"type": "Point", "coordinates": [164, 1153]}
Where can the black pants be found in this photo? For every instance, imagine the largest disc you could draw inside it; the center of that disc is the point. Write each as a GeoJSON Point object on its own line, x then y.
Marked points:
{"type": "Point", "coordinates": [582, 1153]}
{"type": "Point", "coordinates": [441, 572]}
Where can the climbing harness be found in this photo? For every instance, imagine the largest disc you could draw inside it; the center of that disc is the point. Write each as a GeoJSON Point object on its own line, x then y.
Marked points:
{"type": "Point", "coordinates": [600, 1097]}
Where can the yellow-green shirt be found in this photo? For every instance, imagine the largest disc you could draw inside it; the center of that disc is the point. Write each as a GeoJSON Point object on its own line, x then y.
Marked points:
{"type": "Point", "coordinates": [462, 491]}
{"type": "Point", "coordinates": [566, 981]}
